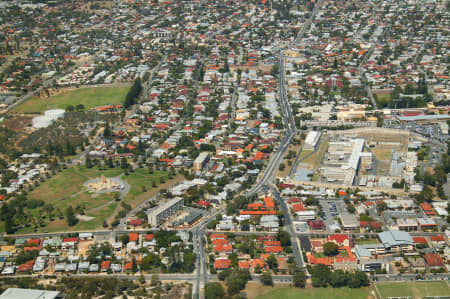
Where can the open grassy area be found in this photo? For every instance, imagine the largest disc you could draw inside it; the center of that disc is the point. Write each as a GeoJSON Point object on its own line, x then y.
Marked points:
{"type": "Point", "coordinates": [413, 289]}
{"type": "Point", "coordinates": [66, 188]}
{"type": "Point", "coordinates": [140, 178]}
{"type": "Point", "coordinates": [316, 158]}
{"type": "Point", "coordinates": [310, 293]}
{"type": "Point", "coordinates": [90, 97]}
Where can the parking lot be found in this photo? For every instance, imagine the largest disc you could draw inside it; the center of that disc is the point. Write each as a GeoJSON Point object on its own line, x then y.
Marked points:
{"type": "Point", "coordinates": [331, 210]}
{"type": "Point", "coordinates": [432, 131]}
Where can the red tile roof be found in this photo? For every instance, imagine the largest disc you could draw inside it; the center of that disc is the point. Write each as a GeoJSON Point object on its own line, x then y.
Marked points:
{"type": "Point", "coordinates": [420, 240]}
{"type": "Point", "coordinates": [218, 236]}
{"type": "Point", "coordinates": [26, 266]}
{"type": "Point", "coordinates": [71, 240]}
{"type": "Point", "coordinates": [438, 238]}
{"type": "Point", "coordinates": [427, 208]}
{"type": "Point", "coordinates": [128, 266]}
{"type": "Point", "coordinates": [244, 264]}
{"type": "Point", "coordinates": [434, 260]}
{"type": "Point", "coordinates": [223, 248]}
{"type": "Point", "coordinates": [219, 241]}
{"type": "Point", "coordinates": [338, 238]}
{"type": "Point", "coordinates": [105, 265]}
{"type": "Point", "coordinates": [133, 237]}
{"type": "Point", "coordinates": [272, 243]}
{"type": "Point", "coordinates": [268, 201]}
{"type": "Point", "coordinates": [222, 264]}
{"type": "Point", "coordinates": [273, 249]}
{"type": "Point", "coordinates": [258, 262]}
{"type": "Point", "coordinates": [149, 237]}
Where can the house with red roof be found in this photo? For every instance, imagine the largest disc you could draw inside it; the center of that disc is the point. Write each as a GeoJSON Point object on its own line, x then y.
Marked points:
{"type": "Point", "coordinates": [420, 240]}
{"type": "Point", "coordinates": [203, 204]}
{"type": "Point", "coordinates": [433, 260]}
{"type": "Point", "coordinates": [438, 239]}
{"type": "Point", "coordinates": [149, 237]}
{"type": "Point", "coordinates": [244, 265]}
{"type": "Point", "coordinates": [339, 239]}
{"type": "Point", "coordinates": [105, 266]}
{"type": "Point", "coordinates": [128, 266]}
{"type": "Point", "coordinates": [220, 242]}
{"type": "Point", "coordinates": [316, 225]}
{"type": "Point", "coordinates": [26, 267]}
{"type": "Point", "coordinates": [133, 237]}
{"type": "Point", "coordinates": [222, 264]}
{"type": "Point", "coordinates": [427, 209]}
{"type": "Point", "coordinates": [272, 243]}
{"type": "Point", "coordinates": [217, 236]}
{"type": "Point", "coordinates": [258, 263]}
{"type": "Point", "coordinates": [273, 249]}
{"type": "Point", "coordinates": [227, 249]}
{"type": "Point", "coordinates": [135, 222]}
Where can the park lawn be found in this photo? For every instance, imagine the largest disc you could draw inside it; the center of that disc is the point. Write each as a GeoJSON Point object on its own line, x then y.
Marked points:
{"type": "Point", "coordinates": [66, 188]}
{"type": "Point", "coordinates": [418, 289]}
{"type": "Point", "coordinates": [89, 97]}
{"type": "Point", "coordinates": [311, 293]}
{"type": "Point", "coordinates": [142, 178]}
{"type": "Point", "coordinates": [99, 216]}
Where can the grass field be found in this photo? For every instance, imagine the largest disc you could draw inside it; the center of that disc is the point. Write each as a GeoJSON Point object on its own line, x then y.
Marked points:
{"type": "Point", "coordinates": [414, 289]}
{"type": "Point", "coordinates": [316, 158]}
{"type": "Point", "coordinates": [66, 188]}
{"type": "Point", "coordinates": [90, 97]}
{"type": "Point", "coordinates": [311, 293]}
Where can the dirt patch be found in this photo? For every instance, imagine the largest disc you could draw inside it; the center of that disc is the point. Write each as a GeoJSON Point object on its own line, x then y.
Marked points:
{"type": "Point", "coordinates": [255, 289]}
{"type": "Point", "coordinates": [58, 223]}
{"type": "Point", "coordinates": [83, 247]}
{"type": "Point", "coordinates": [18, 123]}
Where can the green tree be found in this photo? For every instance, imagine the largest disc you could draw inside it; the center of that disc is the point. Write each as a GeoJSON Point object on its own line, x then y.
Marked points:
{"type": "Point", "coordinates": [266, 278]}
{"type": "Point", "coordinates": [272, 262]}
{"type": "Point", "coordinates": [320, 275]}
{"type": "Point", "coordinates": [299, 279]}
{"type": "Point", "coordinates": [70, 216]}
{"type": "Point", "coordinates": [330, 248]}
{"type": "Point", "coordinates": [214, 290]}
{"type": "Point", "coordinates": [88, 162]}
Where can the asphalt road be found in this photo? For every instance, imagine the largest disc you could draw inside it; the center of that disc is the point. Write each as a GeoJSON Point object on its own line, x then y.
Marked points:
{"type": "Point", "coordinates": [288, 225]}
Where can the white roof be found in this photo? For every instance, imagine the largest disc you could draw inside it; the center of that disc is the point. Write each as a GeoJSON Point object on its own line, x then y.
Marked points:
{"type": "Point", "coordinates": [16, 293]}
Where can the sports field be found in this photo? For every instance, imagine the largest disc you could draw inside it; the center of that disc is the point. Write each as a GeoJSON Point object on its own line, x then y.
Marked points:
{"type": "Point", "coordinates": [415, 290]}
{"type": "Point", "coordinates": [312, 293]}
{"type": "Point", "coordinates": [89, 97]}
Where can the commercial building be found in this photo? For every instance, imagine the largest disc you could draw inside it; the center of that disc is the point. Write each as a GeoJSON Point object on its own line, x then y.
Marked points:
{"type": "Point", "coordinates": [396, 241]}
{"type": "Point", "coordinates": [159, 214]}
{"type": "Point", "coordinates": [16, 293]}
{"type": "Point", "coordinates": [201, 161]}
{"type": "Point", "coordinates": [305, 215]}
{"type": "Point", "coordinates": [349, 222]}
{"type": "Point", "coordinates": [311, 140]}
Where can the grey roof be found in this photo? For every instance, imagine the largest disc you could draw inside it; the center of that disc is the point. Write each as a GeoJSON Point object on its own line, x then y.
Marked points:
{"type": "Point", "coordinates": [395, 238]}
{"type": "Point", "coordinates": [360, 252]}
{"type": "Point", "coordinates": [16, 293]}
{"type": "Point", "coordinates": [423, 117]}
